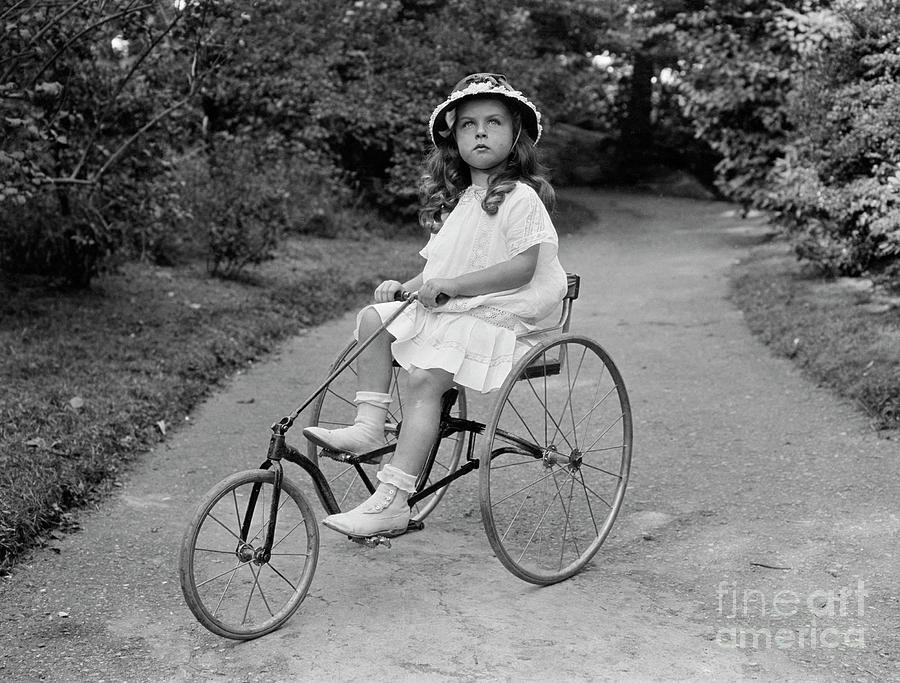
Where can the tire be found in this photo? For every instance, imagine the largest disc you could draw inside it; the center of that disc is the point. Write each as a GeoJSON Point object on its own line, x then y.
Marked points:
{"type": "Point", "coordinates": [555, 459]}
{"type": "Point", "coordinates": [334, 408]}
{"type": "Point", "coordinates": [231, 593]}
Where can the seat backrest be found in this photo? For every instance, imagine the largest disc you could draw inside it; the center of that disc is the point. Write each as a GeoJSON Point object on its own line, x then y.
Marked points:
{"type": "Point", "coordinates": [565, 317]}
{"type": "Point", "coordinates": [544, 366]}
{"type": "Point", "coordinates": [574, 282]}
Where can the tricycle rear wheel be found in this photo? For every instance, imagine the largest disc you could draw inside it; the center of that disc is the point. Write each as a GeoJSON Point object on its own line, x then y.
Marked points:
{"type": "Point", "coordinates": [555, 459]}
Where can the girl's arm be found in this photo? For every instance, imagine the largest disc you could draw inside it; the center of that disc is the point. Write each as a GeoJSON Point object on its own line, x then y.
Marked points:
{"type": "Point", "coordinates": [510, 274]}
{"type": "Point", "coordinates": [414, 284]}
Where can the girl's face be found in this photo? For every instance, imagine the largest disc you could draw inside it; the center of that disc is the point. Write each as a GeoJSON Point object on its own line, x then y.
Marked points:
{"type": "Point", "coordinates": [484, 136]}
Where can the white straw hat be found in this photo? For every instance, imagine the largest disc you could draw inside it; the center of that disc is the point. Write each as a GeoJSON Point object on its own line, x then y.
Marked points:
{"type": "Point", "coordinates": [482, 84]}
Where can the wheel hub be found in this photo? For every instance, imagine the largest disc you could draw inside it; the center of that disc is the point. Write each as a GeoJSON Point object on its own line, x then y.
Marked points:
{"type": "Point", "coordinates": [575, 459]}
{"type": "Point", "coordinates": [551, 456]}
{"type": "Point", "coordinates": [245, 552]}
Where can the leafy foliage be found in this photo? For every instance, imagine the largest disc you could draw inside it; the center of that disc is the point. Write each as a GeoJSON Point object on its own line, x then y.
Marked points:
{"type": "Point", "coordinates": [325, 106]}
{"type": "Point", "coordinates": [801, 101]}
{"type": "Point", "coordinates": [838, 185]}
{"type": "Point", "coordinates": [738, 76]}
{"type": "Point", "coordinates": [81, 83]}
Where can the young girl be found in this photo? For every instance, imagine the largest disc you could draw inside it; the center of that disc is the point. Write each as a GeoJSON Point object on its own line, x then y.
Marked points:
{"type": "Point", "coordinates": [491, 273]}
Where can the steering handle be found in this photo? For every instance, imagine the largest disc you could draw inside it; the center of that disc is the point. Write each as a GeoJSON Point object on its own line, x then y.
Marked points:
{"type": "Point", "coordinates": [403, 295]}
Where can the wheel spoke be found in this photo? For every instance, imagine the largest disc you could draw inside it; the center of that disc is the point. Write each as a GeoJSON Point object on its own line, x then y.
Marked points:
{"type": "Point", "coordinates": [537, 527]}
{"type": "Point", "coordinates": [590, 412]}
{"type": "Point", "coordinates": [547, 414]}
{"type": "Point", "coordinates": [255, 587]}
{"type": "Point", "coordinates": [225, 590]}
{"type": "Point", "coordinates": [283, 577]}
{"type": "Point", "coordinates": [524, 488]}
{"type": "Point", "coordinates": [219, 576]}
{"type": "Point", "coordinates": [524, 422]}
{"type": "Point", "coordinates": [227, 528]}
{"type": "Point", "coordinates": [600, 469]}
{"type": "Point", "coordinates": [606, 431]}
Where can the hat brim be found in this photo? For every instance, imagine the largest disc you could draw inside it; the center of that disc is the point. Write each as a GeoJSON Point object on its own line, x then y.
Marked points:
{"type": "Point", "coordinates": [531, 117]}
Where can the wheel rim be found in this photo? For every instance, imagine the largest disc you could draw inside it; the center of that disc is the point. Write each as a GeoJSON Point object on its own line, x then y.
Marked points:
{"type": "Point", "coordinates": [334, 408]}
{"type": "Point", "coordinates": [230, 585]}
{"type": "Point", "coordinates": [555, 460]}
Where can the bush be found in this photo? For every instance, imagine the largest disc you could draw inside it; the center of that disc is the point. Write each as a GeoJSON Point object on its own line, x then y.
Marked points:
{"type": "Point", "coordinates": [36, 237]}
{"type": "Point", "coordinates": [739, 77]}
{"type": "Point", "coordinates": [241, 195]}
{"type": "Point", "coordinates": [801, 100]}
{"type": "Point", "coordinates": [838, 186]}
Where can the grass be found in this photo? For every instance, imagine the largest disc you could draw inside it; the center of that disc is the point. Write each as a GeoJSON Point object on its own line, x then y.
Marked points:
{"type": "Point", "coordinates": [843, 333]}
{"type": "Point", "coordinates": [94, 379]}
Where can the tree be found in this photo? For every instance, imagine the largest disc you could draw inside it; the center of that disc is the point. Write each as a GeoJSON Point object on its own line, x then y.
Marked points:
{"type": "Point", "coordinates": [81, 84]}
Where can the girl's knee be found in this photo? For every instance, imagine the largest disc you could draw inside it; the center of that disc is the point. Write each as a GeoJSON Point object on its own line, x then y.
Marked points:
{"type": "Point", "coordinates": [432, 381]}
{"type": "Point", "coordinates": [369, 322]}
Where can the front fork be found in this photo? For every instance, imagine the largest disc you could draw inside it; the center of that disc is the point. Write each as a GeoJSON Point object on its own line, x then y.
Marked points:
{"type": "Point", "coordinates": [280, 450]}
{"type": "Point", "coordinates": [245, 550]}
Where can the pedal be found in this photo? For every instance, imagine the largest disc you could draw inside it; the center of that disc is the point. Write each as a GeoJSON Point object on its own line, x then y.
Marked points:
{"type": "Point", "coordinates": [371, 541]}
{"type": "Point", "coordinates": [340, 456]}
{"type": "Point", "coordinates": [385, 538]}
{"type": "Point", "coordinates": [370, 458]}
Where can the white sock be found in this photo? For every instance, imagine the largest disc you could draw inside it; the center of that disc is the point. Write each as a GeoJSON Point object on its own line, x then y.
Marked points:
{"type": "Point", "coordinates": [397, 477]}
{"type": "Point", "coordinates": [367, 431]}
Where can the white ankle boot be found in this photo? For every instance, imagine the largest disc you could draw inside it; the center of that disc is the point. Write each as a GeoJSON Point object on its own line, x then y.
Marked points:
{"type": "Point", "coordinates": [367, 431]}
{"type": "Point", "coordinates": [385, 512]}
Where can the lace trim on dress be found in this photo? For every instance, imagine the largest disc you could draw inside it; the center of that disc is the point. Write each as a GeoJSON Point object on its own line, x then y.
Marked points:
{"type": "Point", "coordinates": [481, 245]}
{"type": "Point", "coordinates": [480, 358]}
{"type": "Point", "coordinates": [472, 193]}
{"type": "Point", "coordinates": [499, 318]}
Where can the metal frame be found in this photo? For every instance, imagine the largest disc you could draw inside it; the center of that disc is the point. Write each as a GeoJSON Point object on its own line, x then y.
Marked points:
{"type": "Point", "coordinates": [280, 450]}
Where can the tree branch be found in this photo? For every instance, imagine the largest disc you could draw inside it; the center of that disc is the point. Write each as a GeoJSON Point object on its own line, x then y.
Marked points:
{"type": "Point", "coordinates": [12, 9]}
{"type": "Point", "coordinates": [55, 20]}
{"type": "Point", "coordinates": [114, 157]}
{"type": "Point", "coordinates": [121, 86]}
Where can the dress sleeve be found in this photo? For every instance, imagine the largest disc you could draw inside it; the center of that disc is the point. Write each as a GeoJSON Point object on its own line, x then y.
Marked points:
{"type": "Point", "coordinates": [528, 223]}
{"type": "Point", "coordinates": [426, 250]}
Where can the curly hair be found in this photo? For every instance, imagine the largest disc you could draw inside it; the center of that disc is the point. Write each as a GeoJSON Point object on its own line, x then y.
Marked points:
{"type": "Point", "coordinates": [446, 176]}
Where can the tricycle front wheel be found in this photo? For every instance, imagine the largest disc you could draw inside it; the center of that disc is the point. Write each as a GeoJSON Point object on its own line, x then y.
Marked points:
{"type": "Point", "coordinates": [233, 587]}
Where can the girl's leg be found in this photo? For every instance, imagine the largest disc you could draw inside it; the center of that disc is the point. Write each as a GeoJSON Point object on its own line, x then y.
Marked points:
{"type": "Point", "coordinates": [387, 509]}
{"type": "Point", "coordinates": [373, 368]}
{"type": "Point", "coordinates": [421, 418]}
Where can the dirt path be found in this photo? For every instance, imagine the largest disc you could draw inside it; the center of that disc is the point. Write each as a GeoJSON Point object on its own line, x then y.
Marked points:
{"type": "Point", "coordinates": [758, 539]}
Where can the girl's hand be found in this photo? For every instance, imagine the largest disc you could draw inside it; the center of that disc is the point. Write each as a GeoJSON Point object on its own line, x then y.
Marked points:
{"type": "Point", "coordinates": [386, 290]}
{"type": "Point", "coordinates": [431, 291]}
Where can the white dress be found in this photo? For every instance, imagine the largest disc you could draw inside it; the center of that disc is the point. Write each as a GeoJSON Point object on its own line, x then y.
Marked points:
{"type": "Point", "coordinates": [475, 338]}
